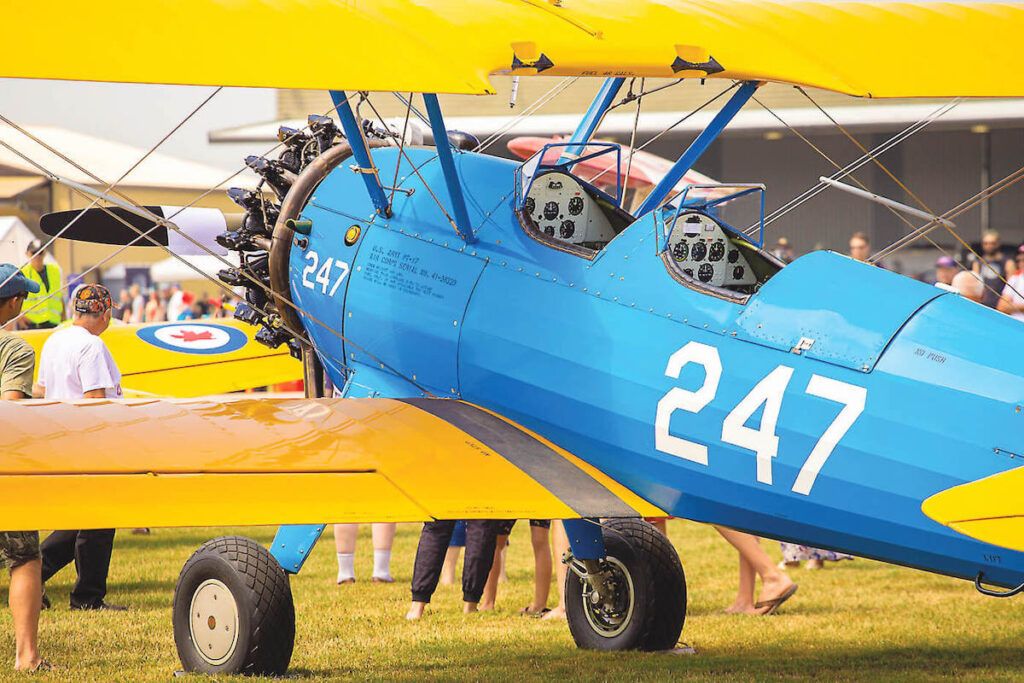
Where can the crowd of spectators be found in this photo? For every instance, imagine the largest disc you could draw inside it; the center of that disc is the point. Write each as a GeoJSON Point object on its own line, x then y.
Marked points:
{"type": "Point", "coordinates": [171, 304]}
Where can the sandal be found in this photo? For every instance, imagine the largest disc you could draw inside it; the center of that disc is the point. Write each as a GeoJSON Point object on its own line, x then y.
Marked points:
{"type": "Point", "coordinates": [775, 603]}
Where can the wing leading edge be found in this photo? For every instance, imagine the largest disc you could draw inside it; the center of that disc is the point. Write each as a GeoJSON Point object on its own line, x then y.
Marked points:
{"type": "Point", "coordinates": [100, 464]}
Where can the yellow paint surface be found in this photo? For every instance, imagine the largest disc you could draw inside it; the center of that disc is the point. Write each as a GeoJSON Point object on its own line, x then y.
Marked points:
{"type": "Point", "coordinates": [248, 461]}
{"type": "Point", "coordinates": [881, 49]}
{"type": "Point", "coordinates": [152, 370]}
{"type": "Point", "coordinates": [990, 509]}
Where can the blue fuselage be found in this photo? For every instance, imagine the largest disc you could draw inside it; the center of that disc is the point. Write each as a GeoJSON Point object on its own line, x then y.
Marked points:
{"type": "Point", "coordinates": [846, 394]}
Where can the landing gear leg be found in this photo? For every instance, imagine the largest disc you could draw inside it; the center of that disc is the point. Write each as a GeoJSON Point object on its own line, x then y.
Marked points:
{"type": "Point", "coordinates": [634, 598]}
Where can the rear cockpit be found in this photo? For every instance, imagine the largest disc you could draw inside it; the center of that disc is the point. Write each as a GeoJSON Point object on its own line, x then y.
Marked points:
{"type": "Point", "coordinates": [705, 253]}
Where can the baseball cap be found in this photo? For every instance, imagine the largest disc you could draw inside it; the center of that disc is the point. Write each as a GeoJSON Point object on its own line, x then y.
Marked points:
{"type": "Point", "coordinates": [945, 262]}
{"type": "Point", "coordinates": [92, 299]}
{"type": "Point", "coordinates": [14, 282]}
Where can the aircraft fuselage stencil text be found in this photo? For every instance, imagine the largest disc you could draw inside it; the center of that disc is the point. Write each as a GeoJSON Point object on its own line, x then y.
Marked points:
{"type": "Point", "coordinates": [397, 270]}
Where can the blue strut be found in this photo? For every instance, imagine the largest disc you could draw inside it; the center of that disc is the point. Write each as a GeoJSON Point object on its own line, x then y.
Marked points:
{"type": "Point", "coordinates": [698, 147]}
{"type": "Point", "coordinates": [354, 135]}
{"type": "Point", "coordinates": [585, 130]}
{"type": "Point", "coordinates": [451, 177]}
{"type": "Point", "coordinates": [293, 543]}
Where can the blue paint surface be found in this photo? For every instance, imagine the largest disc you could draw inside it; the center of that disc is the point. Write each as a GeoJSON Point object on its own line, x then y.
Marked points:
{"type": "Point", "coordinates": [577, 349]}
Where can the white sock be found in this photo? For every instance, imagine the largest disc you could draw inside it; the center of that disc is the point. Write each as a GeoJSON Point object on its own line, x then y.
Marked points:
{"type": "Point", "coordinates": [346, 566]}
{"type": "Point", "coordinates": [382, 564]}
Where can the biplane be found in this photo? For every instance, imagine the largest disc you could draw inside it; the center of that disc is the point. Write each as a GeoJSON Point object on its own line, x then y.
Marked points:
{"type": "Point", "coordinates": [464, 318]}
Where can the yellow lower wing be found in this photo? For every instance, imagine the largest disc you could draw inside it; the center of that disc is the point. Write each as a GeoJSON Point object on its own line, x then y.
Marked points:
{"type": "Point", "coordinates": [990, 509]}
{"type": "Point", "coordinates": [132, 463]}
{"type": "Point", "coordinates": [190, 358]}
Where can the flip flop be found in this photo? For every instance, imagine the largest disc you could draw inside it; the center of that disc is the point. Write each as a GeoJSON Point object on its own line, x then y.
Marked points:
{"type": "Point", "coordinates": [540, 614]}
{"type": "Point", "coordinates": [775, 603]}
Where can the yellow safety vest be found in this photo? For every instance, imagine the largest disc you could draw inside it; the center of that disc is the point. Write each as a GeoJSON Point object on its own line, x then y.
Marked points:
{"type": "Point", "coordinates": [51, 310]}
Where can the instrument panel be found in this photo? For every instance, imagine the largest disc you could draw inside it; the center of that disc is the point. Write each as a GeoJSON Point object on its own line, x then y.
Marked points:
{"type": "Point", "coordinates": [702, 250]}
{"type": "Point", "coordinates": [563, 210]}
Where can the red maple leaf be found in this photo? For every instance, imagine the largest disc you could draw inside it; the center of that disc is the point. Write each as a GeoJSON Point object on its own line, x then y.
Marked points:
{"type": "Point", "coordinates": [190, 336]}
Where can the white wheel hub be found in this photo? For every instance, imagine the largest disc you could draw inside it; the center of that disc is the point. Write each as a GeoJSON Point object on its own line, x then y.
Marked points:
{"type": "Point", "coordinates": [213, 622]}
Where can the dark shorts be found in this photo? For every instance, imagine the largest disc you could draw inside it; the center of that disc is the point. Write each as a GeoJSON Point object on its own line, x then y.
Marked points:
{"type": "Point", "coordinates": [18, 548]}
{"type": "Point", "coordinates": [505, 525]}
{"type": "Point", "coordinates": [459, 535]}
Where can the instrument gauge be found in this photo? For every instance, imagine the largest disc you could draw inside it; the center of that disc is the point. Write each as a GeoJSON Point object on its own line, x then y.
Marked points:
{"type": "Point", "coordinates": [529, 205]}
{"type": "Point", "coordinates": [737, 272]}
{"type": "Point", "coordinates": [680, 250]}
{"type": "Point", "coordinates": [549, 230]}
{"type": "Point", "coordinates": [575, 206]}
{"type": "Point", "coordinates": [568, 228]}
{"type": "Point", "coordinates": [551, 210]}
{"type": "Point", "coordinates": [716, 252]}
{"type": "Point", "coordinates": [734, 255]}
{"type": "Point", "coordinates": [705, 272]}
{"type": "Point", "coordinates": [698, 251]}
{"type": "Point", "coordinates": [688, 271]}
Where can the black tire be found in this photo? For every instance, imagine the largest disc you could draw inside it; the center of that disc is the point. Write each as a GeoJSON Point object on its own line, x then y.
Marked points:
{"type": "Point", "coordinates": [233, 579]}
{"type": "Point", "coordinates": [650, 605]}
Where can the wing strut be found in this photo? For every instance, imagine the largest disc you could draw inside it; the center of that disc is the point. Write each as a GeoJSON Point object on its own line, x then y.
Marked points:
{"type": "Point", "coordinates": [585, 130]}
{"type": "Point", "coordinates": [698, 146]}
{"type": "Point", "coordinates": [451, 177]}
{"type": "Point", "coordinates": [361, 152]}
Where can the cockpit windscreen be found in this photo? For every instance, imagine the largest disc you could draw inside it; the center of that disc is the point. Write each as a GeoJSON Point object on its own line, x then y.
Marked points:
{"type": "Point", "coordinates": [705, 253]}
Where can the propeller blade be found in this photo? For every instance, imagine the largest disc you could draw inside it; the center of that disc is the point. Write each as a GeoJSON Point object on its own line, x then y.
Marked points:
{"type": "Point", "coordinates": [107, 226]}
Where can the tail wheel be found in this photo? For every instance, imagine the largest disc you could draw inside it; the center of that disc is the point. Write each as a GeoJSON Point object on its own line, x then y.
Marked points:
{"type": "Point", "coordinates": [233, 610]}
{"type": "Point", "coordinates": [645, 606]}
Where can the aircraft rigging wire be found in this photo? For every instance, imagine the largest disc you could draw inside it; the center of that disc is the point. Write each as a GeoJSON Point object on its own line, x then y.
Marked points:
{"type": "Point", "coordinates": [408, 103]}
{"type": "Point", "coordinates": [681, 121]}
{"type": "Point", "coordinates": [555, 90]}
{"type": "Point", "coordinates": [171, 226]}
{"type": "Point", "coordinates": [951, 230]}
{"type": "Point", "coordinates": [112, 185]}
{"type": "Point", "coordinates": [916, 231]}
{"type": "Point", "coordinates": [900, 216]}
{"type": "Point", "coordinates": [632, 137]}
{"type": "Point", "coordinates": [630, 96]}
{"type": "Point", "coordinates": [401, 149]}
{"type": "Point", "coordinates": [415, 169]}
{"type": "Point", "coordinates": [816, 189]}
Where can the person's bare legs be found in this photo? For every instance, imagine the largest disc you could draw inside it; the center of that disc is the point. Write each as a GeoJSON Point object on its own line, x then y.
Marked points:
{"type": "Point", "coordinates": [451, 561]}
{"type": "Point", "coordinates": [25, 598]}
{"type": "Point", "coordinates": [561, 546]}
{"type": "Point", "coordinates": [345, 547]}
{"type": "Point", "coordinates": [774, 581]}
{"type": "Point", "coordinates": [541, 568]}
{"type": "Point", "coordinates": [383, 539]}
{"type": "Point", "coordinates": [744, 603]}
{"type": "Point", "coordinates": [491, 588]}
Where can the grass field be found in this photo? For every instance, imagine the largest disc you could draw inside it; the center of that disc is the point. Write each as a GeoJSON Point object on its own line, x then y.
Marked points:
{"type": "Point", "coordinates": [859, 620]}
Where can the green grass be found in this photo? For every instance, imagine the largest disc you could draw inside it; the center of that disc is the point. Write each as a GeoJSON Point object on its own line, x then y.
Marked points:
{"type": "Point", "coordinates": [859, 620]}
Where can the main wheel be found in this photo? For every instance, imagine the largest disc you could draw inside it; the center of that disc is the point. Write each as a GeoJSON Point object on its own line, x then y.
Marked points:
{"type": "Point", "coordinates": [647, 606]}
{"type": "Point", "coordinates": [233, 610]}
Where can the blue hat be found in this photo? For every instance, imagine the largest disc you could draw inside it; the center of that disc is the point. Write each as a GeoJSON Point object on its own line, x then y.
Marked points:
{"type": "Point", "coordinates": [9, 286]}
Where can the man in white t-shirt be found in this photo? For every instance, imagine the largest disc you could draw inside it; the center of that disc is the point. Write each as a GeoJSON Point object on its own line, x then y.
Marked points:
{"type": "Point", "coordinates": [1012, 302]}
{"type": "Point", "coordinates": [75, 364]}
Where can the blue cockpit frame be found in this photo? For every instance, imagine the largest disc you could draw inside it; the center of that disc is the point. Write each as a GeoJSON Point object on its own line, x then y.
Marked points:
{"type": "Point", "coordinates": [528, 171]}
{"type": "Point", "coordinates": [681, 202]}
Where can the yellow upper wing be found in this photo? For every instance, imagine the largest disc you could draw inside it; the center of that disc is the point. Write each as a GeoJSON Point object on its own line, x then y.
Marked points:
{"type": "Point", "coordinates": [193, 358]}
{"type": "Point", "coordinates": [134, 463]}
{"type": "Point", "coordinates": [878, 49]}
